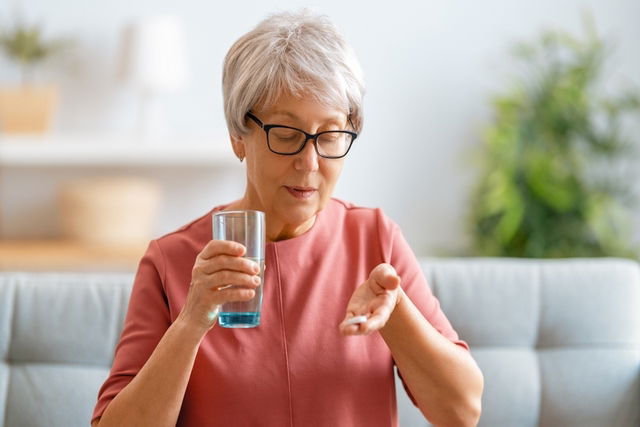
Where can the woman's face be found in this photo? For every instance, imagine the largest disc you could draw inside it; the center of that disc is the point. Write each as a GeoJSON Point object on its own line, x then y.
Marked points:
{"type": "Point", "coordinates": [291, 190]}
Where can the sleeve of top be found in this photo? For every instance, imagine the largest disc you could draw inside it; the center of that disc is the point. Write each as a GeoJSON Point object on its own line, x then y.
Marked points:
{"type": "Point", "coordinates": [397, 252]}
{"type": "Point", "coordinates": [146, 322]}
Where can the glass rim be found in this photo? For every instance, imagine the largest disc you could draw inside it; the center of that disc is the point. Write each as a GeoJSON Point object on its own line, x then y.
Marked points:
{"type": "Point", "coordinates": [239, 212]}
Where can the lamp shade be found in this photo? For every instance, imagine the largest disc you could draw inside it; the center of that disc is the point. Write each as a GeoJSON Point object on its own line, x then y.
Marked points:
{"type": "Point", "coordinates": [154, 54]}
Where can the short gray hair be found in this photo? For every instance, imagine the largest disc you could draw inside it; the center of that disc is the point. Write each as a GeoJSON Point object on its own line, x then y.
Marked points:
{"type": "Point", "coordinates": [291, 53]}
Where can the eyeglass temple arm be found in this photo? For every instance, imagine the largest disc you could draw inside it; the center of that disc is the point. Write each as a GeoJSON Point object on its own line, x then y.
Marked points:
{"type": "Point", "coordinates": [255, 119]}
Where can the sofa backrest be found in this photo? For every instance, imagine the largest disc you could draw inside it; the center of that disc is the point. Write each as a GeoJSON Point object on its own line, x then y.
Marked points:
{"type": "Point", "coordinates": [558, 341]}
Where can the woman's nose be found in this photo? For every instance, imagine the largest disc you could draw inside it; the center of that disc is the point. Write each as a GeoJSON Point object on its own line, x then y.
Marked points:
{"type": "Point", "coordinates": [307, 159]}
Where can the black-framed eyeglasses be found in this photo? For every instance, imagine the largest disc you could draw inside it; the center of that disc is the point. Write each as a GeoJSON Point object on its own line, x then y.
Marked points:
{"type": "Point", "coordinates": [287, 140]}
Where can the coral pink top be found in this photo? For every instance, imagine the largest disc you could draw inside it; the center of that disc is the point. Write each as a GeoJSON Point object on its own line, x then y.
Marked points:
{"type": "Point", "coordinates": [295, 369]}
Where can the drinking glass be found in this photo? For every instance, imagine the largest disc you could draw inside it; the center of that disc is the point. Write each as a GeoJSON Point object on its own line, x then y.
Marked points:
{"type": "Point", "coordinates": [246, 227]}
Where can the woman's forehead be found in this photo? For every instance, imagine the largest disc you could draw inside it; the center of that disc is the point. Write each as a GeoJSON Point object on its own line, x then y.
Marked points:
{"type": "Point", "coordinates": [302, 108]}
{"type": "Point", "coordinates": [322, 116]}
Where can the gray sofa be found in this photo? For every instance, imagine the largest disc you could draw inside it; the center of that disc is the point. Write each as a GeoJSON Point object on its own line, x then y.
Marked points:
{"type": "Point", "coordinates": [558, 341]}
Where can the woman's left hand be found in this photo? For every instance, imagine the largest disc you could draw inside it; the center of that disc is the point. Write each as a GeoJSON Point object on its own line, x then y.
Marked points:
{"type": "Point", "coordinates": [376, 299]}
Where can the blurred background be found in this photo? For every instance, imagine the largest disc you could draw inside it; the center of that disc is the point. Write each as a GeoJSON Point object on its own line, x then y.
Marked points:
{"type": "Point", "coordinates": [134, 144]}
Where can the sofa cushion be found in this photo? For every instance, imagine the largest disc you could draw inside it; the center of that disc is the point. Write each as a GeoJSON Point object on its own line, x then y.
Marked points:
{"type": "Point", "coordinates": [57, 394]}
{"type": "Point", "coordinates": [489, 302]}
{"type": "Point", "coordinates": [590, 386]}
{"type": "Point", "coordinates": [58, 332]}
{"type": "Point", "coordinates": [592, 303]}
{"type": "Point", "coordinates": [68, 318]}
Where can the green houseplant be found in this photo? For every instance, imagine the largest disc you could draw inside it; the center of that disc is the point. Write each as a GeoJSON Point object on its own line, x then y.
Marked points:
{"type": "Point", "coordinates": [550, 184]}
{"type": "Point", "coordinates": [27, 108]}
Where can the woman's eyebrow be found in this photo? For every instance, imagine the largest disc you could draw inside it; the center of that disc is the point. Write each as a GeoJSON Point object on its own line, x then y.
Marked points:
{"type": "Point", "coordinates": [284, 113]}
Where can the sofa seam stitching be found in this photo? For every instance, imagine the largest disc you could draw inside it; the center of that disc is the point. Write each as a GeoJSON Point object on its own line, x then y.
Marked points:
{"type": "Point", "coordinates": [538, 284]}
{"type": "Point", "coordinates": [14, 304]}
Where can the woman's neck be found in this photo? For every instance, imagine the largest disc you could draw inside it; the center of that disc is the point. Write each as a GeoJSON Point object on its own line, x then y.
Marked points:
{"type": "Point", "coordinates": [276, 230]}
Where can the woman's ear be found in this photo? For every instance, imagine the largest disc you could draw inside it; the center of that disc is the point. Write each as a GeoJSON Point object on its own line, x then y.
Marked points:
{"type": "Point", "coordinates": [238, 144]}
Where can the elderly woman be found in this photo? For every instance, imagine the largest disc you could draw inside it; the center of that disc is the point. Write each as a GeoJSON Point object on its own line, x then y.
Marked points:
{"type": "Point", "coordinates": [293, 103]}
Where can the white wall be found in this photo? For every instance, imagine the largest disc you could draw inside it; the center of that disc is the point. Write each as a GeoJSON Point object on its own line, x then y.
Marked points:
{"type": "Point", "coordinates": [430, 68]}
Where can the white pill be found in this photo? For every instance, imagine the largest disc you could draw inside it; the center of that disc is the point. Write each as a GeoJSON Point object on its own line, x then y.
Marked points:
{"type": "Point", "coordinates": [356, 319]}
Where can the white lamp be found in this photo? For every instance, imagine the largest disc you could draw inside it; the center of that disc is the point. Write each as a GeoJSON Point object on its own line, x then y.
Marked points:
{"type": "Point", "coordinates": [154, 59]}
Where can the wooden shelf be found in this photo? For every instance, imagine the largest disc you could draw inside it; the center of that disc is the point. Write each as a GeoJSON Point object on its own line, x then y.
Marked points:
{"type": "Point", "coordinates": [105, 150]}
{"type": "Point", "coordinates": [62, 255]}
{"type": "Point", "coordinates": [96, 151]}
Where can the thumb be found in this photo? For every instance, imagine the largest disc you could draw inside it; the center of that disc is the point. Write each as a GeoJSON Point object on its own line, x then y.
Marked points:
{"type": "Point", "coordinates": [385, 276]}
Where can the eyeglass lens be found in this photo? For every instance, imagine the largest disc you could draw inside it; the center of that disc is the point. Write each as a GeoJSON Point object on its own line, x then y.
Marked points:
{"type": "Point", "coordinates": [330, 143]}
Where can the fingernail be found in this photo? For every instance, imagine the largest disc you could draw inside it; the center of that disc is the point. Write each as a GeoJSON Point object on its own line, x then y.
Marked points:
{"type": "Point", "coordinates": [256, 280]}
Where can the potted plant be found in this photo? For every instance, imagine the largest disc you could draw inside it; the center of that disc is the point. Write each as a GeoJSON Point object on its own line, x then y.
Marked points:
{"type": "Point", "coordinates": [551, 182]}
{"type": "Point", "coordinates": [27, 108]}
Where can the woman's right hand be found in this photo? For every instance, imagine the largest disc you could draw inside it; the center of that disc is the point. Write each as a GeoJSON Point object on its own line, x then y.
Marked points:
{"type": "Point", "coordinates": [219, 275]}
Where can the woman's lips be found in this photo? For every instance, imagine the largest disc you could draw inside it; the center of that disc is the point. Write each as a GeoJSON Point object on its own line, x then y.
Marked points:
{"type": "Point", "coordinates": [302, 193]}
